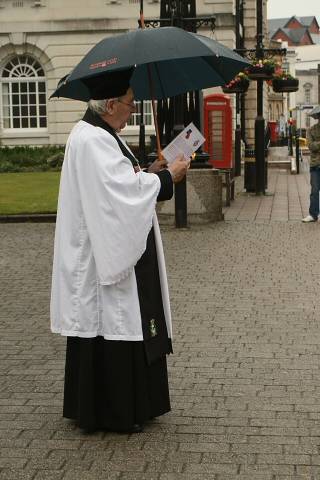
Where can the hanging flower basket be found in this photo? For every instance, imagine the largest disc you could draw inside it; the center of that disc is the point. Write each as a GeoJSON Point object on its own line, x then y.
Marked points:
{"type": "Point", "coordinates": [261, 69]}
{"type": "Point", "coordinates": [260, 73]}
{"type": "Point", "coordinates": [285, 84]}
{"type": "Point", "coordinates": [239, 84]}
{"type": "Point", "coordinates": [240, 87]}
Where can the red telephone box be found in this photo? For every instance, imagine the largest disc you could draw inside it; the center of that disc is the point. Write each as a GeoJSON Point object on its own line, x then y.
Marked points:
{"type": "Point", "coordinates": [218, 130]}
{"type": "Point", "coordinates": [274, 131]}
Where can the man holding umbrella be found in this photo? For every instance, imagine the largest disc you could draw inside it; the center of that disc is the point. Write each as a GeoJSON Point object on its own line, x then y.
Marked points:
{"type": "Point", "coordinates": [109, 288]}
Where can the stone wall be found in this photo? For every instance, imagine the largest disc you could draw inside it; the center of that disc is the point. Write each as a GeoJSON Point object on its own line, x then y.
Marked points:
{"type": "Point", "coordinates": [204, 199]}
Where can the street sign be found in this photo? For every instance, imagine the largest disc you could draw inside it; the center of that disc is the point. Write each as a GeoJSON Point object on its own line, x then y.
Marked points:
{"type": "Point", "coordinates": [303, 107]}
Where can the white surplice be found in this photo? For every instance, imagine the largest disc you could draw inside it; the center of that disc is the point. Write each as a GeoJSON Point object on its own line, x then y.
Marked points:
{"type": "Point", "coordinates": [105, 212]}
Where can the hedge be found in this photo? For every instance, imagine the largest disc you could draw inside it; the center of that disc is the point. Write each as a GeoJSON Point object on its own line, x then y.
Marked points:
{"type": "Point", "coordinates": [38, 159]}
{"type": "Point", "coordinates": [31, 159]}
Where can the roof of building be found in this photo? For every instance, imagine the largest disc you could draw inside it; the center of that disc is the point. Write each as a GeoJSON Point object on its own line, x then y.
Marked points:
{"type": "Point", "coordinates": [295, 34]}
{"type": "Point", "coordinates": [275, 23]}
{"type": "Point", "coordinates": [306, 21]}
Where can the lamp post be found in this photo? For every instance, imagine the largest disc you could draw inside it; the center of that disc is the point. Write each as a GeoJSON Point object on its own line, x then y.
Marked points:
{"type": "Point", "coordinates": [240, 97]}
{"type": "Point", "coordinates": [290, 140]}
{"type": "Point", "coordinates": [260, 53]}
{"type": "Point", "coordinates": [259, 121]}
{"type": "Point", "coordinates": [180, 189]}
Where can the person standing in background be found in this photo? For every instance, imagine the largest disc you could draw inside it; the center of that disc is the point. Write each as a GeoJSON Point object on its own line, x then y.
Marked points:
{"type": "Point", "coordinates": [313, 139]}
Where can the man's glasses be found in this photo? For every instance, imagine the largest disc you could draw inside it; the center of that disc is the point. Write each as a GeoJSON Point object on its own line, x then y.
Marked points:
{"type": "Point", "coordinates": [132, 104]}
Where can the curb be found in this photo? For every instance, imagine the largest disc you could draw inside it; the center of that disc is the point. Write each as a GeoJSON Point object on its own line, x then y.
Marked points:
{"type": "Point", "coordinates": [38, 218]}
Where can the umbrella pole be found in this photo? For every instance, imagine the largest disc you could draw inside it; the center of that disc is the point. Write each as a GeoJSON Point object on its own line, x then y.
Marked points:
{"type": "Point", "coordinates": [154, 112]}
{"type": "Point", "coordinates": [142, 127]}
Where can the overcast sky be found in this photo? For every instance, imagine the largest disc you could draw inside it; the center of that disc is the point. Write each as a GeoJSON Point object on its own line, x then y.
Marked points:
{"type": "Point", "coordinates": [287, 8]}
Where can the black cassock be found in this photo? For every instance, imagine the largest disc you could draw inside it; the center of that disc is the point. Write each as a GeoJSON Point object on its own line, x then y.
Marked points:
{"type": "Point", "coordinates": [115, 384]}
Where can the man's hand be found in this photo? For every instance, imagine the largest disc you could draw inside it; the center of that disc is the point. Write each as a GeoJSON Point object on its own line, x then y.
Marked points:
{"type": "Point", "coordinates": [157, 166]}
{"type": "Point", "coordinates": [178, 168]}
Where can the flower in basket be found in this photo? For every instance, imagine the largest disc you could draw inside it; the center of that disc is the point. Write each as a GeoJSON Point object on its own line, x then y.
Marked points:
{"type": "Point", "coordinates": [283, 81]}
{"type": "Point", "coordinates": [239, 80]}
{"type": "Point", "coordinates": [265, 64]}
{"type": "Point", "coordinates": [281, 74]}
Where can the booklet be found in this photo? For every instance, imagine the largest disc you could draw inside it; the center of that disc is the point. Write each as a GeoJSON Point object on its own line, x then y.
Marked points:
{"type": "Point", "coordinates": [186, 143]}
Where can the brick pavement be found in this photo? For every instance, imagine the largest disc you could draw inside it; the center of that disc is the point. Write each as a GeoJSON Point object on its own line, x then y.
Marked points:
{"type": "Point", "coordinates": [287, 199]}
{"type": "Point", "coordinates": [245, 376]}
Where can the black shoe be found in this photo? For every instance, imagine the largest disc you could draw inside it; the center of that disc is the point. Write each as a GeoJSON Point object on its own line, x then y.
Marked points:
{"type": "Point", "coordinates": [136, 428]}
{"type": "Point", "coordinates": [90, 430]}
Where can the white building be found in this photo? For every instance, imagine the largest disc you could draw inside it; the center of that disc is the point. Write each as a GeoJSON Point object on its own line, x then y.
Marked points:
{"type": "Point", "coordinates": [307, 71]}
{"type": "Point", "coordinates": [42, 40]}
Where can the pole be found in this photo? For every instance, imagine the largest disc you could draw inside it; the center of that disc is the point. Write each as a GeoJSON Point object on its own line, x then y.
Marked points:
{"type": "Point", "coordinates": [142, 128]}
{"type": "Point", "coordinates": [290, 140]}
{"type": "Point", "coordinates": [259, 121]}
{"type": "Point", "coordinates": [180, 189]}
{"type": "Point", "coordinates": [297, 152]}
{"type": "Point", "coordinates": [318, 83]}
{"type": "Point", "coordinates": [237, 140]}
{"type": "Point", "coordinates": [237, 133]}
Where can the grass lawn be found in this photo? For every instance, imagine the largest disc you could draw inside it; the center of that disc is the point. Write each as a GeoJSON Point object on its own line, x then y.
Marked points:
{"type": "Point", "coordinates": [31, 192]}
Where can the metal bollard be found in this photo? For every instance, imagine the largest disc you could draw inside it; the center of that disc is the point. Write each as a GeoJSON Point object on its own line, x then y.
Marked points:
{"type": "Point", "coordinates": [297, 152]}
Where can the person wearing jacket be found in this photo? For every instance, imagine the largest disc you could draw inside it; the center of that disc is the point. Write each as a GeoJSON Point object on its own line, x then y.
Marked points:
{"type": "Point", "coordinates": [313, 139]}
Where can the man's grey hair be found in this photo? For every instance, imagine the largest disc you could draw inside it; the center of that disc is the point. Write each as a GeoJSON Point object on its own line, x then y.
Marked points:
{"type": "Point", "coordinates": [99, 106]}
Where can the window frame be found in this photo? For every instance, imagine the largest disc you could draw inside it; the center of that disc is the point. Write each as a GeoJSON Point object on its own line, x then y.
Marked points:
{"type": "Point", "coordinates": [136, 115]}
{"type": "Point", "coordinates": [31, 68]}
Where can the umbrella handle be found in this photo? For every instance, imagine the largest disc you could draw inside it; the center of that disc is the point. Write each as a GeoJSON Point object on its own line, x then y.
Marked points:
{"type": "Point", "coordinates": [155, 118]}
{"type": "Point", "coordinates": [142, 25]}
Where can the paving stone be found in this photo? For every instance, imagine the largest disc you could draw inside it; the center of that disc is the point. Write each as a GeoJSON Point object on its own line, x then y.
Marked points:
{"type": "Point", "coordinates": [49, 475]}
{"type": "Point", "coordinates": [212, 468]}
{"type": "Point", "coordinates": [274, 469]}
{"type": "Point", "coordinates": [275, 459]}
{"type": "Point", "coordinates": [257, 476]}
{"type": "Point", "coordinates": [12, 474]}
{"type": "Point", "coordinates": [13, 462]}
{"type": "Point", "coordinates": [89, 475]}
{"type": "Point", "coordinates": [129, 465]}
{"type": "Point", "coordinates": [204, 447]}
{"type": "Point", "coordinates": [22, 453]}
{"type": "Point", "coordinates": [44, 464]}
{"type": "Point", "coordinates": [57, 444]}
{"type": "Point", "coordinates": [186, 476]}
{"type": "Point", "coordinates": [139, 476]}
{"type": "Point", "coordinates": [164, 467]}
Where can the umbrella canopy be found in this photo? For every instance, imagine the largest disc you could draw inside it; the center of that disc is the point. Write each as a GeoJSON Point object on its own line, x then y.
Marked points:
{"type": "Point", "coordinates": [315, 112]}
{"type": "Point", "coordinates": [176, 60]}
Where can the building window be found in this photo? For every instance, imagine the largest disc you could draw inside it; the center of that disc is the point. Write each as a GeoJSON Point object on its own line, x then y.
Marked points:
{"type": "Point", "coordinates": [307, 121]}
{"type": "Point", "coordinates": [148, 117]}
{"type": "Point", "coordinates": [307, 93]}
{"type": "Point", "coordinates": [24, 99]}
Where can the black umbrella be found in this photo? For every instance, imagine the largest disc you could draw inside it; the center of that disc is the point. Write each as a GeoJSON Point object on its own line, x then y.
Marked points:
{"type": "Point", "coordinates": [176, 60]}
